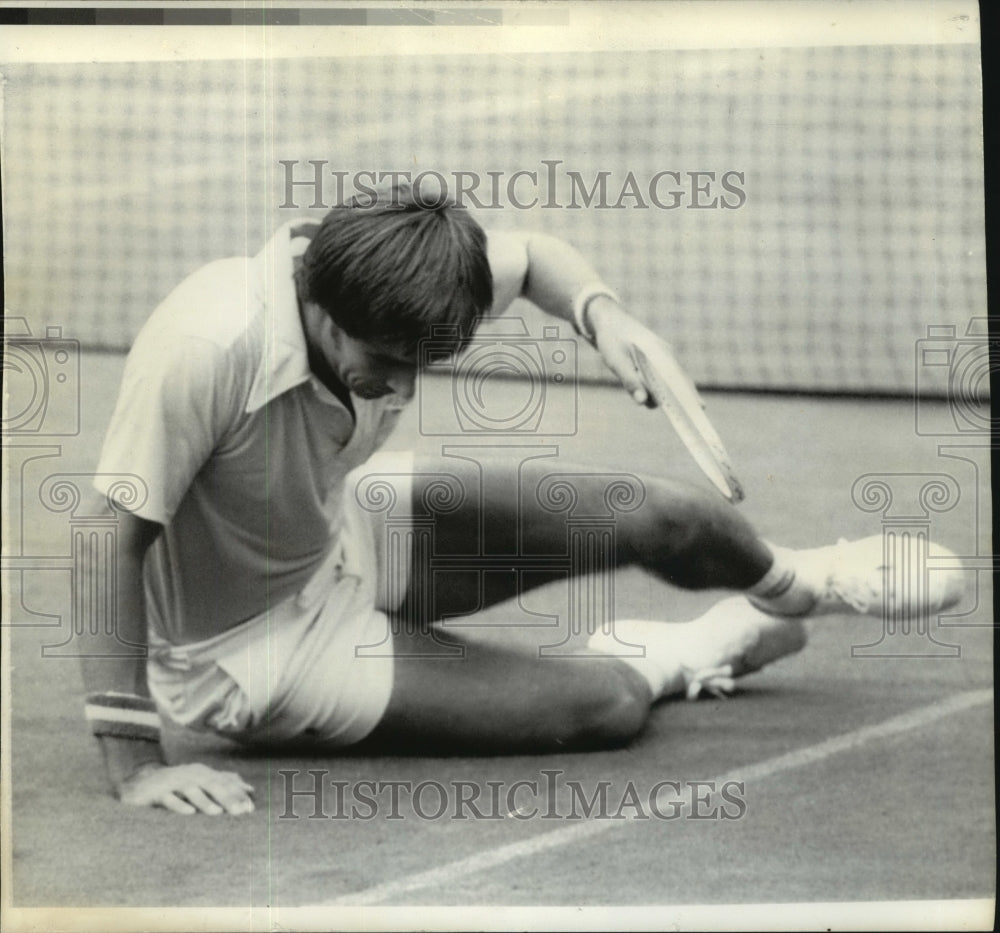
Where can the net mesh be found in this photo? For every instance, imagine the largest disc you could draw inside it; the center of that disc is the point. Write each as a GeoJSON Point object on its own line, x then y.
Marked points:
{"type": "Point", "coordinates": [859, 226]}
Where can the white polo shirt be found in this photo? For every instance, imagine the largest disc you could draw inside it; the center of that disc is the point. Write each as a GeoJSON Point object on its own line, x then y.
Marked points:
{"type": "Point", "coordinates": [243, 452]}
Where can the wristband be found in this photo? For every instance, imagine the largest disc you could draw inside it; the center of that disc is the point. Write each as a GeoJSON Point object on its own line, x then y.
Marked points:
{"type": "Point", "coordinates": [583, 298]}
{"type": "Point", "coordinates": [123, 716]}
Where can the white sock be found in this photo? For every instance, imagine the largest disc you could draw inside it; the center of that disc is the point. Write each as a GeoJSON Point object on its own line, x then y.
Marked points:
{"type": "Point", "coordinates": [782, 590]}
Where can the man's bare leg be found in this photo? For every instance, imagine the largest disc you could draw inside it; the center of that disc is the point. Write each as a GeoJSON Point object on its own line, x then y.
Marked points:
{"type": "Point", "coordinates": [684, 535]}
{"type": "Point", "coordinates": [504, 699]}
{"type": "Point", "coordinates": [499, 698]}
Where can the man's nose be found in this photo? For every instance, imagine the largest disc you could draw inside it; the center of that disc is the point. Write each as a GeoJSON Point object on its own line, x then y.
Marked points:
{"type": "Point", "coordinates": [403, 381]}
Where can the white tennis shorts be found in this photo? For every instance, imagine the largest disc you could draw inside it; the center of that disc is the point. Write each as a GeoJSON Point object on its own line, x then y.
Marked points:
{"type": "Point", "coordinates": [317, 667]}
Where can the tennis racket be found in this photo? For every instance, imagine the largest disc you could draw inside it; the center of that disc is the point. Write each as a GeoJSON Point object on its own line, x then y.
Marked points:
{"type": "Point", "coordinates": [675, 395]}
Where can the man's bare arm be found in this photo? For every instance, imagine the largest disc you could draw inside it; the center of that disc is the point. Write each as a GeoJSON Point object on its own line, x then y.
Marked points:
{"type": "Point", "coordinates": [120, 670]}
{"type": "Point", "coordinates": [556, 277]}
{"type": "Point", "coordinates": [136, 767]}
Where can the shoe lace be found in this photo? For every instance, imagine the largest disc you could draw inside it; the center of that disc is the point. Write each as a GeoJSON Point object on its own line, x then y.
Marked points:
{"type": "Point", "coordinates": [718, 681]}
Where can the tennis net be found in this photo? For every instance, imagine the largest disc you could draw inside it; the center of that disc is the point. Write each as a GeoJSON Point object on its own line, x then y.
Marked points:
{"type": "Point", "coordinates": [790, 218]}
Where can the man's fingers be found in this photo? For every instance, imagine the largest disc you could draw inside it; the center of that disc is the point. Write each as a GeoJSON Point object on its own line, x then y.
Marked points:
{"type": "Point", "coordinates": [199, 799]}
{"type": "Point", "coordinates": [624, 367]}
{"type": "Point", "coordinates": [233, 797]}
{"type": "Point", "coordinates": [628, 372]}
{"type": "Point", "coordinates": [158, 797]}
{"type": "Point", "coordinates": [213, 798]}
{"type": "Point", "coordinates": [191, 788]}
{"type": "Point", "coordinates": [228, 790]}
{"type": "Point", "coordinates": [174, 803]}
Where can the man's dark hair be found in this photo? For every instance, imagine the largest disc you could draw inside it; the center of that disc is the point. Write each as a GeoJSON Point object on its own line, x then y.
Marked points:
{"type": "Point", "coordinates": [396, 270]}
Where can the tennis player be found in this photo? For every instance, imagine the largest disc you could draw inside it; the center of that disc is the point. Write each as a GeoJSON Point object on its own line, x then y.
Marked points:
{"type": "Point", "coordinates": [256, 399]}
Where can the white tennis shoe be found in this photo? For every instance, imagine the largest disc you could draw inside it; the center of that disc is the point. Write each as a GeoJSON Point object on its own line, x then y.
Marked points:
{"type": "Point", "coordinates": [864, 577]}
{"type": "Point", "coordinates": [707, 655]}
{"type": "Point", "coordinates": [732, 639]}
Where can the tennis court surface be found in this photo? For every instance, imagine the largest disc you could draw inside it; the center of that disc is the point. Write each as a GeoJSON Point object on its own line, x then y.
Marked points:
{"type": "Point", "coordinates": [861, 778]}
{"type": "Point", "coordinates": [829, 301]}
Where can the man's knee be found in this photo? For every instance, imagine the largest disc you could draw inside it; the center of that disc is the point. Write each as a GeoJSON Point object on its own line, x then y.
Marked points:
{"type": "Point", "coordinates": [692, 538]}
{"type": "Point", "coordinates": [675, 517]}
{"type": "Point", "coordinates": [611, 713]}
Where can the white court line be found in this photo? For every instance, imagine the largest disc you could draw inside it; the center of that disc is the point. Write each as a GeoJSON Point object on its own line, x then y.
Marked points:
{"type": "Point", "coordinates": [448, 873]}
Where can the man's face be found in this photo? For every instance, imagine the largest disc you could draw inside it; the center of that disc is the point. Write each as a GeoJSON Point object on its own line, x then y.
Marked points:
{"type": "Point", "coordinates": [369, 369]}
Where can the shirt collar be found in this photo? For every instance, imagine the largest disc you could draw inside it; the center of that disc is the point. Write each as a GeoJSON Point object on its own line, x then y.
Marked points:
{"type": "Point", "coordinates": [284, 362]}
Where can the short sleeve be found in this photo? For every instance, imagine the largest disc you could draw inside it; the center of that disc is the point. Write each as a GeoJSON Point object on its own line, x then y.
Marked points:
{"type": "Point", "coordinates": [508, 258]}
{"type": "Point", "coordinates": [178, 397]}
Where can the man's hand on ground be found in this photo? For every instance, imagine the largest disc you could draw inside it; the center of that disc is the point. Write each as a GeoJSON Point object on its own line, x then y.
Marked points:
{"type": "Point", "coordinates": [187, 789]}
